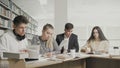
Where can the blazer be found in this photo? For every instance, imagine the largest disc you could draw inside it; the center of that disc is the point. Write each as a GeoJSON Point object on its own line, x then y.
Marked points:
{"type": "Point", "coordinates": [73, 42]}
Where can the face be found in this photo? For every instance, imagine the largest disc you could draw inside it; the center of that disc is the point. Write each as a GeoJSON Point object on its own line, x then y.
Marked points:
{"type": "Point", "coordinates": [96, 34]}
{"type": "Point", "coordinates": [47, 33]}
{"type": "Point", "coordinates": [20, 29]}
{"type": "Point", "coordinates": [68, 32]}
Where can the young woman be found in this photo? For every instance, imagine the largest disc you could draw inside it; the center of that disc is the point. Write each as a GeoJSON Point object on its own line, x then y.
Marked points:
{"type": "Point", "coordinates": [97, 42]}
{"type": "Point", "coordinates": [47, 44]}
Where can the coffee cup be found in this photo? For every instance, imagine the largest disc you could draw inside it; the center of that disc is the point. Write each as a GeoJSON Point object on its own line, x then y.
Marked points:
{"type": "Point", "coordinates": [72, 52]}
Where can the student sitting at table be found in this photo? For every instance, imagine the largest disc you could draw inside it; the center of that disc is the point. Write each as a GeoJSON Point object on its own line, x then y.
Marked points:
{"type": "Point", "coordinates": [68, 41]}
{"type": "Point", "coordinates": [15, 40]}
{"type": "Point", "coordinates": [96, 42]}
{"type": "Point", "coordinates": [47, 44]}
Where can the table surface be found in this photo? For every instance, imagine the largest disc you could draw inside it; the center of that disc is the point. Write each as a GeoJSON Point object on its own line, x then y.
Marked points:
{"type": "Point", "coordinates": [47, 61]}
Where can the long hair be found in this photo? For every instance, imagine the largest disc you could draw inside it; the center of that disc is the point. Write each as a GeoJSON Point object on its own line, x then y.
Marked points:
{"type": "Point", "coordinates": [101, 35]}
{"type": "Point", "coordinates": [49, 43]}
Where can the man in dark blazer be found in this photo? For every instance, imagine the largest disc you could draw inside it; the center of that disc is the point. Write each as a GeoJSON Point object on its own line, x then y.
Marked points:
{"type": "Point", "coordinates": [72, 38]}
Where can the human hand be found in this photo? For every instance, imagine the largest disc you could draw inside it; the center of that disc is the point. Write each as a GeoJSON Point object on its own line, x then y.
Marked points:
{"type": "Point", "coordinates": [24, 50]}
{"type": "Point", "coordinates": [48, 55]}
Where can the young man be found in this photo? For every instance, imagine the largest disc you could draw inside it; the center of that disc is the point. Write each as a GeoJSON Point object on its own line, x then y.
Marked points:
{"type": "Point", "coordinates": [14, 40]}
{"type": "Point", "coordinates": [68, 40]}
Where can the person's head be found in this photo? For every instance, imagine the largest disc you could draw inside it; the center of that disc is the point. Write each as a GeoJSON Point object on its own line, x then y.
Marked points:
{"type": "Point", "coordinates": [19, 24]}
{"type": "Point", "coordinates": [47, 31]}
{"type": "Point", "coordinates": [68, 29]}
{"type": "Point", "coordinates": [97, 34]}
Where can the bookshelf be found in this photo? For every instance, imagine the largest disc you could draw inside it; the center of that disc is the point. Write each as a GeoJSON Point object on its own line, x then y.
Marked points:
{"type": "Point", "coordinates": [8, 11]}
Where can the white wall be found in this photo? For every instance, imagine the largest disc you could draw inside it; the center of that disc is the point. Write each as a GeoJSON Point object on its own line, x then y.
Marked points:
{"type": "Point", "coordinates": [94, 12]}
{"type": "Point", "coordinates": [60, 15]}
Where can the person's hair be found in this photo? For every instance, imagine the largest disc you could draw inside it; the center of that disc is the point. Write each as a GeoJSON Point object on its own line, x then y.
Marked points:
{"type": "Point", "coordinates": [47, 26]}
{"type": "Point", "coordinates": [20, 19]}
{"type": "Point", "coordinates": [49, 42]}
{"type": "Point", "coordinates": [101, 35]}
{"type": "Point", "coordinates": [68, 26]}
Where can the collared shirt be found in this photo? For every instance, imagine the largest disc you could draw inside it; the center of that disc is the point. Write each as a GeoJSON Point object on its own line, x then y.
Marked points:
{"type": "Point", "coordinates": [64, 43]}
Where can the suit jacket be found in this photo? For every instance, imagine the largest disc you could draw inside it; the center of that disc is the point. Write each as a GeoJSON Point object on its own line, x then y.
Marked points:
{"type": "Point", "coordinates": [73, 42]}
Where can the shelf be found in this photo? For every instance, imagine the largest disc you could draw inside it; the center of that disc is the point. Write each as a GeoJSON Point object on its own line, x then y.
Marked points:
{"type": "Point", "coordinates": [4, 28]}
{"type": "Point", "coordinates": [15, 9]}
{"type": "Point", "coordinates": [5, 17]}
{"type": "Point", "coordinates": [4, 6]}
{"type": "Point", "coordinates": [14, 12]}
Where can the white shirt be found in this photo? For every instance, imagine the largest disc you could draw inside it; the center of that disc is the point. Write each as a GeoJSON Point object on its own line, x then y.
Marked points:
{"type": "Point", "coordinates": [9, 43]}
{"type": "Point", "coordinates": [64, 44]}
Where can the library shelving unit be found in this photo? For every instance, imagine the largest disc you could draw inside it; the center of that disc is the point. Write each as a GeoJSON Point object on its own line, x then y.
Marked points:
{"type": "Point", "coordinates": [8, 11]}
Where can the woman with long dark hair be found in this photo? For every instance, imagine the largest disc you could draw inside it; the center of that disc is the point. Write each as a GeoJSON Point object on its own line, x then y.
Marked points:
{"type": "Point", "coordinates": [96, 42]}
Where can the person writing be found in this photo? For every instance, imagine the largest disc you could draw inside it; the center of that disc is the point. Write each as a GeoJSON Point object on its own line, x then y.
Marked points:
{"type": "Point", "coordinates": [96, 42]}
{"type": "Point", "coordinates": [67, 40]}
{"type": "Point", "coordinates": [46, 41]}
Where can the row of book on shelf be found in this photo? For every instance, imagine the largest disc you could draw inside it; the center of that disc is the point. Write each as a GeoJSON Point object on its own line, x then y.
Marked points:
{"type": "Point", "coordinates": [6, 2]}
{"type": "Point", "coordinates": [6, 13]}
{"type": "Point", "coordinates": [11, 5]}
{"type": "Point", "coordinates": [12, 12]}
{"type": "Point", "coordinates": [5, 23]}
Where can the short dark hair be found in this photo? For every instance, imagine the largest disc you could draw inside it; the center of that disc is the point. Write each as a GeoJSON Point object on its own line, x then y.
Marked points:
{"type": "Point", "coordinates": [68, 26]}
{"type": "Point", "coordinates": [20, 19]}
{"type": "Point", "coordinates": [47, 26]}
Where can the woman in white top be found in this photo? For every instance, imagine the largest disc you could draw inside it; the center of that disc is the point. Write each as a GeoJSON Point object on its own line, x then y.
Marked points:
{"type": "Point", "coordinates": [96, 42]}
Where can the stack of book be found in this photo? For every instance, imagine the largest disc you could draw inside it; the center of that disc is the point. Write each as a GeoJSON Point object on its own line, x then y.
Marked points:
{"type": "Point", "coordinates": [15, 55]}
{"type": "Point", "coordinates": [4, 22]}
{"type": "Point", "coordinates": [4, 12]}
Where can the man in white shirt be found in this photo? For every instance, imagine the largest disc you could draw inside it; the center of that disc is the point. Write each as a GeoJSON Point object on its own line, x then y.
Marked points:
{"type": "Point", "coordinates": [14, 40]}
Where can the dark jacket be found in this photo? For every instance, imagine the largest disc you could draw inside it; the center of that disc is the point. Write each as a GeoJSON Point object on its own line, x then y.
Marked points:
{"type": "Point", "coordinates": [73, 42]}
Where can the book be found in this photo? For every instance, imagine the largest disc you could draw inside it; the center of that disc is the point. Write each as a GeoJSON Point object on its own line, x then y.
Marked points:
{"type": "Point", "coordinates": [15, 55]}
